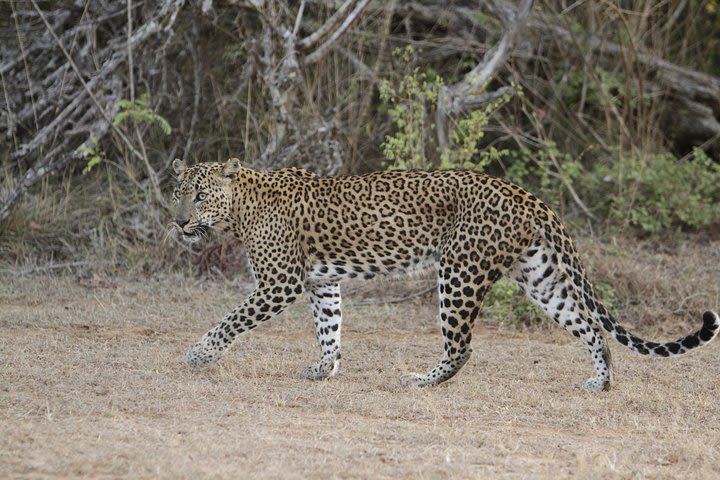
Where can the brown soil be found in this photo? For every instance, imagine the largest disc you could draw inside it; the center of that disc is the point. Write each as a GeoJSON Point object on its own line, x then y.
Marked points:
{"type": "Point", "coordinates": [92, 384]}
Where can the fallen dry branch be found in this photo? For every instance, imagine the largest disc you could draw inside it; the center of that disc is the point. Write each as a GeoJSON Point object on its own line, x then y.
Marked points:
{"type": "Point", "coordinates": [691, 99]}
{"type": "Point", "coordinates": [76, 101]}
{"type": "Point", "coordinates": [311, 40]}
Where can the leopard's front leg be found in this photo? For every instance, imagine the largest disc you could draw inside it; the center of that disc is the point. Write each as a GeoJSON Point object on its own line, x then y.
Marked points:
{"type": "Point", "coordinates": [280, 282]}
{"type": "Point", "coordinates": [262, 305]}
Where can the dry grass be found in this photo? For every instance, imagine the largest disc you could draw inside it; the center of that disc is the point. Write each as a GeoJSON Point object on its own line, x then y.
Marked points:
{"type": "Point", "coordinates": [92, 384]}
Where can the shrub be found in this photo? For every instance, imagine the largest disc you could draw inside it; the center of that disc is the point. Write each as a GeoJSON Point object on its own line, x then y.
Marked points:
{"type": "Point", "coordinates": [663, 192]}
{"type": "Point", "coordinates": [409, 99]}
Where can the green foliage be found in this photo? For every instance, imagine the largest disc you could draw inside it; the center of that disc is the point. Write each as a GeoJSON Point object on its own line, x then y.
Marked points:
{"type": "Point", "coordinates": [662, 192]}
{"type": "Point", "coordinates": [607, 295]}
{"type": "Point", "coordinates": [488, 20]}
{"type": "Point", "coordinates": [467, 132]}
{"type": "Point", "coordinates": [233, 51]}
{"type": "Point", "coordinates": [600, 90]}
{"type": "Point", "coordinates": [507, 303]}
{"type": "Point", "coordinates": [95, 153]}
{"type": "Point", "coordinates": [408, 99]}
{"type": "Point", "coordinates": [139, 111]}
{"type": "Point", "coordinates": [655, 193]}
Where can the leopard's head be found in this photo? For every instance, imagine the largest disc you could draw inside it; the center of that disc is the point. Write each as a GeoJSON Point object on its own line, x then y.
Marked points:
{"type": "Point", "coordinates": [203, 197]}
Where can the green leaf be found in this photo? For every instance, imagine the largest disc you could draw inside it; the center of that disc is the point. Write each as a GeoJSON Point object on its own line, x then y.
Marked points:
{"type": "Point", "coordinates": [95, 160]}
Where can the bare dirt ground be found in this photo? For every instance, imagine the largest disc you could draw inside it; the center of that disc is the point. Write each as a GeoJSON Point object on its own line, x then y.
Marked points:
{"type": "Point", "coordinates": [93, 385]}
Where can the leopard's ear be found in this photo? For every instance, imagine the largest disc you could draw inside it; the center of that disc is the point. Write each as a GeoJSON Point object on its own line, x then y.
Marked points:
{"type": "Point", "coordinates": [231, 167]}
{"type": "Point", "coordinates": [179, 166]}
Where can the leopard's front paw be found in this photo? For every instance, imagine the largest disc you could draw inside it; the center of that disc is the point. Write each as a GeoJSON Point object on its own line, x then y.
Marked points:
{"type": "Point", "coordinates": [202, 355]}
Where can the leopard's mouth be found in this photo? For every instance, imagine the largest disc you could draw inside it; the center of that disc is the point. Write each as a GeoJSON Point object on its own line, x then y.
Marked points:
{"type": "Point", "coordinates": [195, 234]}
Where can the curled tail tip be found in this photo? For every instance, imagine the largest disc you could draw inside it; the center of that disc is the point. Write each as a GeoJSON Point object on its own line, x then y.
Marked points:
{"type": "Point", "coordinates": [711, 321]}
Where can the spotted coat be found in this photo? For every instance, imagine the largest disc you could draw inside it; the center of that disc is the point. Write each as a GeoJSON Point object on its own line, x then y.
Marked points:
{"type": "Point", "coordinates": [305, 234]}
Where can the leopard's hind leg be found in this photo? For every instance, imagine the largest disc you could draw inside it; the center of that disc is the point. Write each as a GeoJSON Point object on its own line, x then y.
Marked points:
{"type": "Point", "coordinates": [460, 299]}
{"type": "Point", "coordinates": [469, 266]}
{"type": "Point", "coordinates": [543, 279]}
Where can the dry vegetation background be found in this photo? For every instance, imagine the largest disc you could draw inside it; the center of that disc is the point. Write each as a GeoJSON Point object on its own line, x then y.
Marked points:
{"type": "Point", "coordinates": [609, 110]}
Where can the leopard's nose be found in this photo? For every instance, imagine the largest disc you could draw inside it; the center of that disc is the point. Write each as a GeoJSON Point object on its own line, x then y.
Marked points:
{"type": "Point", "coordinates": [181, 223]}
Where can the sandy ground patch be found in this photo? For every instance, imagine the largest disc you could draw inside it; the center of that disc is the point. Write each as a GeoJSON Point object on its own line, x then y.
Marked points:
{"type": "Point", "coordinates": [92, 385]}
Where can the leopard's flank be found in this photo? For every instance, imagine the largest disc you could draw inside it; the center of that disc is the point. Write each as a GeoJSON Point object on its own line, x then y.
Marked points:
{"type": "Point", "coordinates": [304, 234]}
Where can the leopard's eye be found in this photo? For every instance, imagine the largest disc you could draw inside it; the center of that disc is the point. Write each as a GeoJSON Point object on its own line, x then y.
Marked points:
{"type": "Point", "coordinates": [200, 196]}
{"type": "Point", "coordinates": [176, 196]}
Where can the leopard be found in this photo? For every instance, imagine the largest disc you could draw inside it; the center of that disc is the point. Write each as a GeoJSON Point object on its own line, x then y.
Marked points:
{"type": "Point", "coordinates": [304, 234]}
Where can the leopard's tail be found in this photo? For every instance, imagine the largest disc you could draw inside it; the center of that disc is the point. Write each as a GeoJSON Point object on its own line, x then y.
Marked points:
{"type": "Point", "coordinates": [570, 263]}
{"type": "Point", "coordinates": [708, 331]}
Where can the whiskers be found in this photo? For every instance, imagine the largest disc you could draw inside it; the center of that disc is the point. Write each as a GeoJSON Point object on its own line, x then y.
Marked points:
{"type": "Point", "coordinates": [202, 232]}
{"type": "Point", "coordinates": [197, 233]}
{"type": "Point", "coordinates": [170, 232]}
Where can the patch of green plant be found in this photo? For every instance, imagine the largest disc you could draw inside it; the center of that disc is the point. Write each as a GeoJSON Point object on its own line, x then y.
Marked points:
{"type": "Point", "coordinates": [409, 100]}
{"type": "Point", "coordinates": [607, 295]}
{"type": "Point", "coordinates": [507, 303]}
{"type": "Point", "coordinates": [465, 136]}
{"type": "Point", "coordinates": [599, 90]}
{"type": "Point", "coordinates": [653, 193]}
{"type": "Point", "coordinates": [232, 51]}
{"type": "Point", "coordinates": [489, 21]}
{"type": "Point", "coordinates": [95, 154]}
{"type": "Point", "coordinates": [577, 27]}
{"type": "Point", "coordinates": [140, 111]}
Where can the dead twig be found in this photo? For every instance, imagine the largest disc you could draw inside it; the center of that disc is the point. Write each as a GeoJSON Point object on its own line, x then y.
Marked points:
{"type": "Point", "coordinates": [66, 108]}
{"type": "Point", "coordinates": [321, 50]}
{"type": "Point", "coordinates": [308, 42]}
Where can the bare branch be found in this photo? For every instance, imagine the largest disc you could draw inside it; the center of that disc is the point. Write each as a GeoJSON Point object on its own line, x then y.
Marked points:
{"type": "Point", "coordinates": [323, 49]}
{"type": "Point", "coordinates": [454, 99]}
{"type": "Point", "coordinates": [298, 19]}
{"type": "Point", "coordinates": [372, 75]}
{"type": "Point", "coordinates": [32, 176]}
{"type": "Point", "coordinates": [308, 42]}
{"type": "Point", "coordinates": [278, 91]}
{"type": "Point", "coordinates": [299, 137]}
{"type": "Point", "coordinates": [100, 108]}
{"type": "Point", "coordinates": [68, 107]}
{"type": "Point", "coordinates": [677, 78]}
{"type": "Point", "coordinates": [21, 44]}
